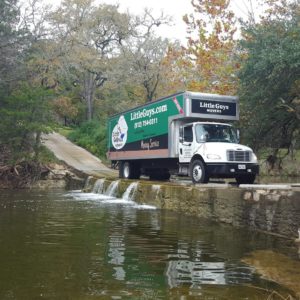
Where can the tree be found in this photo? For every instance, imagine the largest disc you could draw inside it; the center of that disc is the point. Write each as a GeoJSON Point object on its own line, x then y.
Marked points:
{"type": "Point", "coordinates": [210, 52]}
{"type": "Point", "coordinates": [13, 43]}
{"type": "Point", "coordinates": [24, 117]}
{"type": "Point", "coordinates": [143, 55]}
{"type": "Point", "coordinates": [269, 78]}
{"type": "Point", "coordinates": [89, 38]}
{"type": "Point", "coordinates": [145, 64]}
{"type": "Point", "coordinates": [24, 106]}
{"type": "Point", "coordinates": [175, 71]}
{"type": "Point", "coordinates": [64, 108]}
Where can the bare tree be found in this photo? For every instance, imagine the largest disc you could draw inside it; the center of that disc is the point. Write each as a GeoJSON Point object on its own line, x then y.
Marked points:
{"type": "Point", "coordinates": [144, 52]}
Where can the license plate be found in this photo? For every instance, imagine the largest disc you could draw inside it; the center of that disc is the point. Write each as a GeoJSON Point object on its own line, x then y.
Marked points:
{"type": "Point", "coordinates": [242, 167]}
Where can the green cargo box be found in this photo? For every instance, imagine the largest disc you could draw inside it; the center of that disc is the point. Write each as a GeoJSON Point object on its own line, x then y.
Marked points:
{"type": "Point", "coordinates": [146, 132]}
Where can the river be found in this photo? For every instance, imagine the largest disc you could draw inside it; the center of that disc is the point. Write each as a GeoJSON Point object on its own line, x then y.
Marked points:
{"type": "Point", "coordinates": [60, 244]}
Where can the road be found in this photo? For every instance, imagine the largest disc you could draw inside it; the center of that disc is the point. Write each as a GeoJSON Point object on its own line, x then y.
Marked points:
{"type": "Point", "coordinates": [82, 160]}
{"type": "Point", "coordinates": [76, 157]}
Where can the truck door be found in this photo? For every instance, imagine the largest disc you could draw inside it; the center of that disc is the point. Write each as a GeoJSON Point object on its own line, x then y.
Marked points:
{"type": "Point", "coordinates": [185, 144]}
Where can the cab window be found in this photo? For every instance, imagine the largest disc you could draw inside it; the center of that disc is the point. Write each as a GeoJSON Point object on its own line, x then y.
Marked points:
{"type": "Point", "coordinates": [188, 134]}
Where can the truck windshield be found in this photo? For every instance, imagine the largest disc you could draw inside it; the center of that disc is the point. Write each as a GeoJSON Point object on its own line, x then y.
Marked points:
{"type": "Point", "coordinates": [215, 133]}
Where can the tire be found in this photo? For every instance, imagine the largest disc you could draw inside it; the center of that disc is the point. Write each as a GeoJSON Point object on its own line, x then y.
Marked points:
{"type": "Point", "coordinates": [245, 179]}
{"type": "Point", "coordinates": [198, 172]}
{"type": "Point", "coordinates": [124, 170]}
{"type": "Point", "coordinates": [129, 170]}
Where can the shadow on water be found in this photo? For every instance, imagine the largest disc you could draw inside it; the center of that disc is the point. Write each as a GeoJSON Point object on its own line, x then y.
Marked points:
{"type": "Point", "coordinates": [58, 245]}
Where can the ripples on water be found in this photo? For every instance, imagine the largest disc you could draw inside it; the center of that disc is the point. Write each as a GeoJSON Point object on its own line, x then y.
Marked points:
{"type": "Point", "coordinates": [74, 245]}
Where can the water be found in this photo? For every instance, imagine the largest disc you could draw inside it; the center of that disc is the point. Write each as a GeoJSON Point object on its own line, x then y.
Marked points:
{"type": "Point", "coordinates": [130, 191]}
{"type": "Point", "coordinates": [88, 182]}
{"type": "Point", "coordinates": [98, 186]}
{"type": "Point", "coordinates": [71, 245]}
{"type": "Point", "coordinates": [112, 188]}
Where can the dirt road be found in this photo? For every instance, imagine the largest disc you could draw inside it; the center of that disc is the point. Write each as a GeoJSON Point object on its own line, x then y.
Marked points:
{"type": "Point", "coordinates": [75, 156]}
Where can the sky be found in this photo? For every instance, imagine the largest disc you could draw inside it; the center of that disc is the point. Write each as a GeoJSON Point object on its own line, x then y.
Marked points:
{"type": "Point", "coordinates": [173, 8]}
{"type": "Point", "coordinates": [176, 9]}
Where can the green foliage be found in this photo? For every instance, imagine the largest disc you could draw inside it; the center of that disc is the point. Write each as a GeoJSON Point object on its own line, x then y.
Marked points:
{"type": "Point", "coordinates": [24, 116]}
{"type": "Point", "coordinates": [46, 156]}
{"type": "Point", "coordinates": [14, 40]}
{"type": "Point", "coordinates": [269, 82]}
{"type": "Point", "coordinates": [91, 136]}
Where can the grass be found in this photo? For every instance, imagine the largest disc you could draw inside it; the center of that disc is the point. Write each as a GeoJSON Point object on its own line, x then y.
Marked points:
{"type": "Point", "coordinates": [65, 131]}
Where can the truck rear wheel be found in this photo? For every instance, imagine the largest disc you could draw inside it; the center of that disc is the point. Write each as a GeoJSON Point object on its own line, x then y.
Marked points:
{"type": "Point", "coordinates": [198, 172]}
{"type": "Point", "coordinates": [129, 170]}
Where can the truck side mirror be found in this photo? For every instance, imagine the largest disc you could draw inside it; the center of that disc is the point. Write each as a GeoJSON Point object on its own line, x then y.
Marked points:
{"type": "Point", "coordinates": [180, 134]}
{"type": "Point", "coordinates": [238, 135]}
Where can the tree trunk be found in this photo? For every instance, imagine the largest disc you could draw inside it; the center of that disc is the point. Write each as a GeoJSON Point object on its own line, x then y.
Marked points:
{"type": "Point", "coordinates": [89, 88]}
{"type": "Point", "coordinates": [151, 86]}
{"type": "Point", "coordinates": [37, 145]}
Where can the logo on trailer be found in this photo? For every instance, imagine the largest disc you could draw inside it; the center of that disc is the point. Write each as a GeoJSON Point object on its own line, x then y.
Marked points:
{"type": "Point", "coordinates": [119, 134]}
{"type": "Point", "coordinates": [180, 110]}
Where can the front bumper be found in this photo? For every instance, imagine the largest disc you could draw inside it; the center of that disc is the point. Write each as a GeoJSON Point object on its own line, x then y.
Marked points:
{"type": "Point", "coordinates": [231, 170]}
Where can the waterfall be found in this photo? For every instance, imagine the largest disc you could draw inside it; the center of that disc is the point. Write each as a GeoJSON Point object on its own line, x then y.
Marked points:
{"type": "Point", "coordinates": [112, 188]}
{"type": "Point", "coordinates": [87, 183]}
{"type": "Point", "coordinates": [98, 186]}
{"type": "Point", "coordinates": [156, 190]}
{"type": "Point", "coordinates": [130, 191]}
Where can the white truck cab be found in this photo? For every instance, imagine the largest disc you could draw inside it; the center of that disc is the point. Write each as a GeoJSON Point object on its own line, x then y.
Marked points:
{"type": "Point", "coordinates": [209, 149]}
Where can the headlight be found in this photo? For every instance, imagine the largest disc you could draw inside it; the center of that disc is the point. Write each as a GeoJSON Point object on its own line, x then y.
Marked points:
{"type": "Point", "coordinates": [254, 157]}
{"type": "Point", "coordinates": [213, 156]}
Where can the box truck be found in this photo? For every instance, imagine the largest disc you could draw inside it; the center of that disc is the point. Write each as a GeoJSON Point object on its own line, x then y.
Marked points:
{"type": "Point", "coordinates": [186, 134]}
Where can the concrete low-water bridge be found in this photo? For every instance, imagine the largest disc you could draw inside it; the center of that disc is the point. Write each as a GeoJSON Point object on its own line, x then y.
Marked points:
{"type": "Point", "coordinates": [273, 208]}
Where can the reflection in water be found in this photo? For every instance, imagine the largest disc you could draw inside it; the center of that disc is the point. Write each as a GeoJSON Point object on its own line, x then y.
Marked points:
{"type": "Point", "coordinates": [182, 268]}
{"type": "Point", "coordinates": [58, 245]}
{"type": "Point", "coordinates": [117, 255]}
{"type": "Point", "coordinates": [155, 221]}
{"type": "Point", "coordinates": [184, 271]}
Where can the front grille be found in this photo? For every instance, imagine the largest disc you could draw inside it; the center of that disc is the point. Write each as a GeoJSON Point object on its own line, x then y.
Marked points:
{"type": "Point", "coordinates": [233, 155]}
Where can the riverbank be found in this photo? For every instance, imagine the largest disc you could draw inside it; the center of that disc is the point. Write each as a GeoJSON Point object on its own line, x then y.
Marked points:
{"type": "Point", "coordinates": [46, 176]}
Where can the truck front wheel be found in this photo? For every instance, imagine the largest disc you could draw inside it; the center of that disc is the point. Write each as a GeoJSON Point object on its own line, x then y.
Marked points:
{"type": "Point", "coordinates": [198, 172]}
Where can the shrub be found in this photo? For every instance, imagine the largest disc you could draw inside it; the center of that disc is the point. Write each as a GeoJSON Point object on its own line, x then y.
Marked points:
{"type": "Point", "coordinates": [90, 135]}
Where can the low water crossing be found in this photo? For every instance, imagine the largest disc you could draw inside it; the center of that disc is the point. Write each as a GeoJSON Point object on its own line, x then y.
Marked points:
{"type": "Point", "coordinates": [73, 245]}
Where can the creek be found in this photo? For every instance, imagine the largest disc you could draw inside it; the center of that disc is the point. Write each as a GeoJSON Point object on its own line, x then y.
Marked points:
{"type": "Point", "coordinates": [59, 244]}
